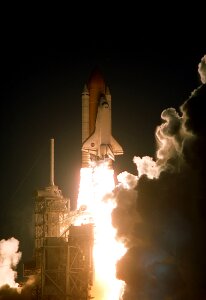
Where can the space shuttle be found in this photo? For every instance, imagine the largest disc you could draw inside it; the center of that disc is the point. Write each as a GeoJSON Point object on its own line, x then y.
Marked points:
{"type": "Point", "coordinates": [97, 140]}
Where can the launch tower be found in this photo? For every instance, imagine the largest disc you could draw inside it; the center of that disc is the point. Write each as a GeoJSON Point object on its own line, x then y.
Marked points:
{"type": "Point", "coordinates": [63, 263]}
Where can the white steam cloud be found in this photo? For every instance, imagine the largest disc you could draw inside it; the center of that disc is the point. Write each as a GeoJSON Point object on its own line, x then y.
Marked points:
{"type": "Point", "coordinates": [128, 181]}
{"type": "Point", "coordinates": [146, 165]}
{"type": "Point", "coordinates": [9, 258]}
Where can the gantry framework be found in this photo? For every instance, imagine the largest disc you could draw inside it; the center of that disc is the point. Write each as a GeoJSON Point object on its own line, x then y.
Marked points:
{"type": "Point", "coordinates": [63, 261]}
{"type": "Point", "coordinates": [63, 251]}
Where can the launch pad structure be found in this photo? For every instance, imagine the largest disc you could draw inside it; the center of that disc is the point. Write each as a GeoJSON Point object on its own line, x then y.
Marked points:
{"type": "Point", "coordinates": [63, 256]}
{"type": "Point", "coordinates": [63, 262]}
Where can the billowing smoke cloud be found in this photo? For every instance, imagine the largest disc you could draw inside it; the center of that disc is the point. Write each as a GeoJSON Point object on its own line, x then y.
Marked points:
{"type": "Point", "coordinates": [161, 216]}
{"type": "Point", "coordinates": [9, 259]}
{"type": "Point", "coordinates": [28, 292]}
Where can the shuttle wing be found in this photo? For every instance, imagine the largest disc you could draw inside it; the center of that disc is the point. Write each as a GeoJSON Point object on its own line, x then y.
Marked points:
{"type": "Point", "coordinates": [91, 144]}
{"type": "Point", "coordinates": [117, 149]}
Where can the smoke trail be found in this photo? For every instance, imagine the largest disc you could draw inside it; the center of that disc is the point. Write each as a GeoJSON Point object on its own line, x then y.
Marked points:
{"type": "Point", "coordinates": [162, 219]}
{"type": "Point", "coordinates": [202, 69]}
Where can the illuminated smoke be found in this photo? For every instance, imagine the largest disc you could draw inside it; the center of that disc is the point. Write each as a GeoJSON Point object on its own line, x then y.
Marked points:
{"type": "Point", "coordinates": [202, 69]}
{"type": "Point", "coordinates": [146, 165]}
{"type": "Point", "coordinates": [162, 219]}
{"type": "Point", "coordinates": [9, 258]}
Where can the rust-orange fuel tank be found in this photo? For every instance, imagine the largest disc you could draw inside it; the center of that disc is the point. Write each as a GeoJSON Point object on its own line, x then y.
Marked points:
{"type": "Point", "coordinates": [96, 87]}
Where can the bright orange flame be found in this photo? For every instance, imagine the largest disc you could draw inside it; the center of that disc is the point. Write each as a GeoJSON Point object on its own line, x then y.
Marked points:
{"type": "Point", "coordinates": [96, 184]}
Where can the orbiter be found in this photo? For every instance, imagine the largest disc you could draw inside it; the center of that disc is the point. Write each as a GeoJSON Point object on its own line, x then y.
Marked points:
{"type": "Point", "coordinates": [97, 140]}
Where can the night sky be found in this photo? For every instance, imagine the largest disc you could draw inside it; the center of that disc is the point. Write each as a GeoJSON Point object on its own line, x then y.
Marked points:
{"type": "Point", "coordinates": [40, 92]}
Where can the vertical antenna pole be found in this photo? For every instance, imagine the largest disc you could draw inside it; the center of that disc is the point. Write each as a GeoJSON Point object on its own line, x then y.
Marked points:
{"type": "Point", "coordinates": [52, 163]}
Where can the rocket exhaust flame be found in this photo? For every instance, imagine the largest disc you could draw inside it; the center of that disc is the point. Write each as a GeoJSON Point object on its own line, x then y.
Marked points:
{"type": "Point", "coordinates": [96, 185]}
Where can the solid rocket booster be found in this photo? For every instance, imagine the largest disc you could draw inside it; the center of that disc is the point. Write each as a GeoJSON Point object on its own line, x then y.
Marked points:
{"type": "Point", "coordinates": [97, 140]}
